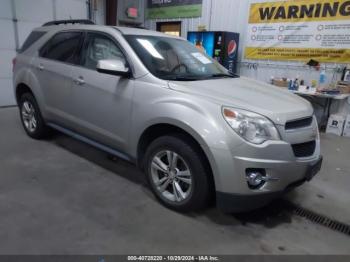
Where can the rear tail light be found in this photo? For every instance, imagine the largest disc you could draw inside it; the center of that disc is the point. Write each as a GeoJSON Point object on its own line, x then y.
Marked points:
{"type": "Point", "coordinates": [13, 64]}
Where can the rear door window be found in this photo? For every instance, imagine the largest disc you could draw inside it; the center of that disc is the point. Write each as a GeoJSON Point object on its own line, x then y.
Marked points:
{"type": "Point", "coordinates": [31, 39]}
{"type": "Point", "coordinates": [63, 47]}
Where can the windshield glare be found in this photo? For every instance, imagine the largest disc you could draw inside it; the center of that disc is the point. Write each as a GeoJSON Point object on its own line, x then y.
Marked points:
{"type": "Point", "coordinates": [175, 59]}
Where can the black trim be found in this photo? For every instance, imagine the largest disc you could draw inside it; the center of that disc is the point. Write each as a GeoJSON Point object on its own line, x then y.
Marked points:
{"type": "Point", "coordinates": [71, 21]}
{"type": "Point", "coordinates": [304, 149]}
{"type": "Point", "coordinates": [236, 203]}
{"type": "Point", "coordinates": [314, 169]}
{"type": "Point", "coordinates": [3, 107]}
{"type": "Point", "coordinates": [116, 73]}
{"type": "Point", "coordinates": [300, 123]}
{"type": "Point", "coordinates": [92, 142]}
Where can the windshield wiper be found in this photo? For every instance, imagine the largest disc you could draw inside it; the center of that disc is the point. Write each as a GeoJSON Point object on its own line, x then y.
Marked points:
{"type": "Point", "coordinates": [223, 75]}
{"type": "Point", "coordinates": [197, 78]}
{"type": "Point", "coordinates": [183, 78]}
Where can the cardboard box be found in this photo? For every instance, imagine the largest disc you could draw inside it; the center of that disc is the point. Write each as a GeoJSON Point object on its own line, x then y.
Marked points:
{"type": "Point", "coordinates": [343, 87]}
{"type": "Point", "coordinates": [346, 131]}
{"type": "Point", "coordinates": [280, 82]}
{"type": "Point", "coordinates": [335, 124]}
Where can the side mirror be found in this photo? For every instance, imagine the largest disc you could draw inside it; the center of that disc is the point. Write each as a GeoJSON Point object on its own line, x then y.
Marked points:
{"type": "Point", "coordinates": [113, 67]}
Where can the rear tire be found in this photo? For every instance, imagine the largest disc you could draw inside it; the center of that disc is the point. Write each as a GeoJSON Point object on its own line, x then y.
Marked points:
{"type": "Point", "coordinates": [176, 173]}
{"type": "Point", "coordinates": [31, 118]}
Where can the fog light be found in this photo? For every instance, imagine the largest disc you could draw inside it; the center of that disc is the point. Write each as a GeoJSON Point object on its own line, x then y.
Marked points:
{"type": "Point", "coordinates": [255, 178]}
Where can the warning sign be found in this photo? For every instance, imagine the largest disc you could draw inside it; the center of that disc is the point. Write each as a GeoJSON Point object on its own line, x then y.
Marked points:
{"type": "Point", "coordinates": [299, 30]}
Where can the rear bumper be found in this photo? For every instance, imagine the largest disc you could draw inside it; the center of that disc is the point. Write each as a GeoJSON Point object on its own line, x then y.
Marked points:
{"type": "Point", "coordinates": [235, 203]}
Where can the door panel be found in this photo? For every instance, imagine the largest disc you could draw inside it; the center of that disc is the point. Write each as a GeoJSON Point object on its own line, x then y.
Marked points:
{"type": "Point", "coordinates": [54, 66]}
{"type": "Point", "coordinates": [56, 83]}
{"type": "Point", "coordinates": [101, 102]}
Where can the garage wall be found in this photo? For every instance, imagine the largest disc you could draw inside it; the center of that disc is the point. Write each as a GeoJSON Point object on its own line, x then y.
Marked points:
{"type": "Point", "coordinates": [232, 15]}
{"type": "Point", "coordinates": [7, 52]}
{"type": "Point", "coordinates": [223, 15]}
{"type": "Point", "coordinates": [29, 14]}
{"type": "Point", "coordinates": [99, 12]}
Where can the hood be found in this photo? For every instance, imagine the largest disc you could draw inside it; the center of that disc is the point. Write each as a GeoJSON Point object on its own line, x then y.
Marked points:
{"type": "Point", "coordinates": [273, 102]}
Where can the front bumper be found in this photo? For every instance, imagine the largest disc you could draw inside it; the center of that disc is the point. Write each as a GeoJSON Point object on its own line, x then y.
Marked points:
{"type": "Point", "coordinates": [282, 166]}
{"type": "Point", "coordinates": [276, 157]}
{"type": "Point", "coordinates": [231, 202]}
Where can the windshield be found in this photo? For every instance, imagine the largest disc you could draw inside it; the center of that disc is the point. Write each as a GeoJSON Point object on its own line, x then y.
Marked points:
{"type": "Point", "coordinates": [175, 59]}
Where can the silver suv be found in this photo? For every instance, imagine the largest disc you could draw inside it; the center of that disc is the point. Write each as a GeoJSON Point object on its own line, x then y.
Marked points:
{"type": "Point", "coordinates": [197, 131]}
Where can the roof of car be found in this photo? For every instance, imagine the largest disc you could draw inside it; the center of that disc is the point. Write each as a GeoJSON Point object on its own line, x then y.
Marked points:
{"type": "Point", "coordinates": [122, 30]}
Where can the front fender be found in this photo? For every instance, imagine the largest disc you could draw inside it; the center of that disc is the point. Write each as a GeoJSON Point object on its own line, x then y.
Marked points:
{"type": "Point", "coordinates": [201, 119]}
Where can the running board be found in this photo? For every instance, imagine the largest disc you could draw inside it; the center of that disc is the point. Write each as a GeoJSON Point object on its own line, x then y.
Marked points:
{"type": "Point", "coordinates": [90, 142]}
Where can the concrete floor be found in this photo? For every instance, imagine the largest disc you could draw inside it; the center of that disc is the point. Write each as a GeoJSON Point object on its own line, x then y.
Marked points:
{"type": "Point", "coordinates": [61, 196]}
{"type": "Point", "coordinates": [329, 192]}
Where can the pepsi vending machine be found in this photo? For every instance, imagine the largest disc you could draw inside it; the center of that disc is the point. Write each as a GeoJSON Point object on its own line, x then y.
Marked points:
{"type": "Point", "coordinates": [222, 46]}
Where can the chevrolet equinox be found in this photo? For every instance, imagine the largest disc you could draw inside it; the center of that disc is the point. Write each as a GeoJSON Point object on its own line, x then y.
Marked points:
{"type": "Point", "coordinates": [198, 132]}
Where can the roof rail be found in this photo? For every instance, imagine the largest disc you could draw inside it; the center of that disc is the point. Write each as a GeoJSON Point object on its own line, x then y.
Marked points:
{"type": "Point", "coordinates": [71, 21]}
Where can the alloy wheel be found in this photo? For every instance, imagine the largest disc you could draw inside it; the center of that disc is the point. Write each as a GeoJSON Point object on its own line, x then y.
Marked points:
{"type": "Point", "coordinates": [28, 116]}
{"type": "Point", "coordinates": [171, 176]}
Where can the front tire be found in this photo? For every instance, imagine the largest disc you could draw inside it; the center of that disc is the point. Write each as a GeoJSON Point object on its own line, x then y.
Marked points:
{"type": "Point", "coordinates": [31, 118]}
{"type": "Point", "coordinates": [176, 173]}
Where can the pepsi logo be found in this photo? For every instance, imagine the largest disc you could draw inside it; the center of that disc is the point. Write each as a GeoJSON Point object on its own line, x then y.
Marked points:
{"type": "Point", "coordinates": [231, 48]}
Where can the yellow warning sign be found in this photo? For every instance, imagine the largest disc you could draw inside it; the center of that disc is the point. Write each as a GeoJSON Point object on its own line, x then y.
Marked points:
{"type": "Point", "coordinates": [299, 54]}
{"type": "Point", "coordinates": [299, 11]}
{"type": "Point", "coordinates": [299, 30]}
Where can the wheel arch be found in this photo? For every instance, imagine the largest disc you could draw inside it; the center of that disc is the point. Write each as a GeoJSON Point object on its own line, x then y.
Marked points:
{"type": "Point", "coordinates": [21, 89]}
{"type": "Point", "coordinates": [25, 79]}
{"type": "Point", "coordinates": [161, 129]}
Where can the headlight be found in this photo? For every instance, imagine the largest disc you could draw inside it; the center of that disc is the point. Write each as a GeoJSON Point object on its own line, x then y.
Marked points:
{"type": "Point", "coordinates": [252, 127]}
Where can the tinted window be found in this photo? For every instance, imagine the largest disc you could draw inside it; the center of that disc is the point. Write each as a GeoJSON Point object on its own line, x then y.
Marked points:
{"type": "Point", "coordinates": [31, 39]}
{"type": "Point", "coordinates": [63, 47]}
{"type": "Point", "coordinates": [100, 47]}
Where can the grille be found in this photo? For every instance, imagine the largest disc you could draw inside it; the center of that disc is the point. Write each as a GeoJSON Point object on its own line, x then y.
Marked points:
{"type": "Point", "coordinates": [304, 149]}
{"type": "Point", "coordinates": [298, 123]}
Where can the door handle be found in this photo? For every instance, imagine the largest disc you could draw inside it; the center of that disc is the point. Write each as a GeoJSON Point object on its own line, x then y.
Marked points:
{"type": "Point", "coordinates": [41, 67]}
{"type": "Point", "coordinates": [79, 81]}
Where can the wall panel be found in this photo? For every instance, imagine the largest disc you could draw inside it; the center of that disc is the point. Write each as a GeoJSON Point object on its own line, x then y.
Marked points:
{"type": "Point", "coordinates": [232, 15]}
{"type": "Point", "coordinates": [30, 14]}
{"type": "Point", "coordinates": [34, 10]}
{"type": "Point", "coordinates": [66, 9]}
{"type": "Point", "coordinates": [5, 10]}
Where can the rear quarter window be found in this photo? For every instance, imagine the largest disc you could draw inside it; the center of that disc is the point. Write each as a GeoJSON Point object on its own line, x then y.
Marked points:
{"type": "Point", "coordinates": [64, 47]}
{"type": "Point", "coordinates": [31, 39]}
